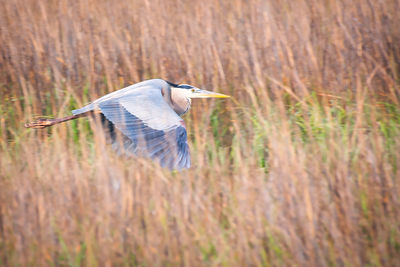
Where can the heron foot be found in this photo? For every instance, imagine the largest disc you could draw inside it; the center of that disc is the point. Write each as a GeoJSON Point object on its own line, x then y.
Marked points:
{"type": "Point", "coordinates": [40, 123]}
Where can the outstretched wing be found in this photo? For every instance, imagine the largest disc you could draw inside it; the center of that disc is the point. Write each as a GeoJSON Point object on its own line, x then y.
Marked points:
{"type": "Point", "coordinates": [151, 128]}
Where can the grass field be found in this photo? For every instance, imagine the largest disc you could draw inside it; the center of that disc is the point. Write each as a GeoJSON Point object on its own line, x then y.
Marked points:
{"type": "Point", "coordinates": [300, 167]}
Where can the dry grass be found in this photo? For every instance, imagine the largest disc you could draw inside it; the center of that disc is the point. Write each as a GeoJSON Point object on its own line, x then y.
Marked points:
{"type": "Point", "coordinates": [301, 167]}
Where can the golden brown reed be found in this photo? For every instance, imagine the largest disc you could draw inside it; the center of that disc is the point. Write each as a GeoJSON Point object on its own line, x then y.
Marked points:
{"type": "Point", "coordinates": [300, 168]}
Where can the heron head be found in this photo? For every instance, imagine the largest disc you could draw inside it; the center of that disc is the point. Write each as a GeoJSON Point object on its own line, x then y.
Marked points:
{"type": "Point", "coordinates": [193, 92]}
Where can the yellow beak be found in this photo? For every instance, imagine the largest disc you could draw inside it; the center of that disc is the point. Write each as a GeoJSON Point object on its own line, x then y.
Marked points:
{"type": "Point", "coordinates": [207, 94]}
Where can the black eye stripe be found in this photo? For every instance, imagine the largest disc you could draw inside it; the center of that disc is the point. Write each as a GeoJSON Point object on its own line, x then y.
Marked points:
{"type": "Point", "coordinates": [185, 86]}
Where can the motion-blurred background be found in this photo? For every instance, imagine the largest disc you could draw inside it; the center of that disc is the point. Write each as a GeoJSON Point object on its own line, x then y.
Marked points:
{"type": "Point", "coordinates": [300, 167]}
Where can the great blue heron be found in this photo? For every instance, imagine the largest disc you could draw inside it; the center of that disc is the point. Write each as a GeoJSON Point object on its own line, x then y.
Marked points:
{"type": "Point", "coordinates": [146, 118]}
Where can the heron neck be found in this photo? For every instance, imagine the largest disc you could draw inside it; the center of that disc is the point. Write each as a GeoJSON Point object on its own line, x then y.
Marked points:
{"type": "Point", "coordinates": [180, 103]}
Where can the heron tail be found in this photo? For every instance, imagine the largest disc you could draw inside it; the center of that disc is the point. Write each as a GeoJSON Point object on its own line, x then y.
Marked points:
{"type": "Point", "coordinates": [43, 123]}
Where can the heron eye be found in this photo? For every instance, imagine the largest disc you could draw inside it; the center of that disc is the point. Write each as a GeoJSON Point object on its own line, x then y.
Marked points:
{"type": "Point", "coordinates": [193, 90]}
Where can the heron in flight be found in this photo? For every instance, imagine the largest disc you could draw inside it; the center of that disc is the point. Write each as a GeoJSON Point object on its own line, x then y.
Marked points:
{"type": "Point", "coordinates": [144, 119]}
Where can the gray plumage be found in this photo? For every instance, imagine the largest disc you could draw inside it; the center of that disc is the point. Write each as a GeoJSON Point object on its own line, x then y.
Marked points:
{"type": "Point", "coordinates": [144, 119]}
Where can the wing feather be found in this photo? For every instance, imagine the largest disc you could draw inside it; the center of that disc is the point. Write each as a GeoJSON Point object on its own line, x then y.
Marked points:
{"type": "Point", "coordinates": [154, 130]}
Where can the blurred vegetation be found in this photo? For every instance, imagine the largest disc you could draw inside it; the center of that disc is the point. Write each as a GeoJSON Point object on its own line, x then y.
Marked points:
{"type": "Point", "coordinates": [300, 167]}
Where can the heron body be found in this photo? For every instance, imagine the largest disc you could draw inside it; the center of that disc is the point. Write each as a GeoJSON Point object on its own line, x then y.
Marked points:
{"type": "Point", "coordinates": [144, 120]}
